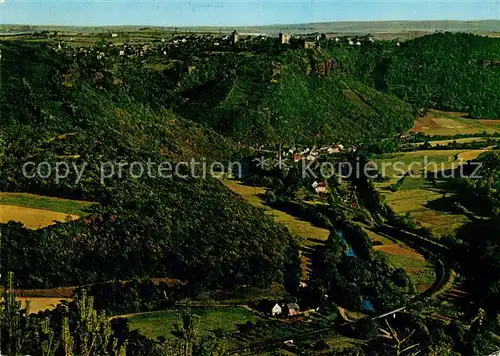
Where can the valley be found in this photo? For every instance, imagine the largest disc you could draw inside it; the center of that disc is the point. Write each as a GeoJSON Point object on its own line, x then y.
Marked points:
{"type": "Point", "coordinates": [266, 235]}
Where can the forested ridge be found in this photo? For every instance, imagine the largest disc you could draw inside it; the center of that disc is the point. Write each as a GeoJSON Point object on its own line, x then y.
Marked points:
{"type": "Point", "coordinates": [456, 72]}
{"type": "Point", "coordinates": [147, 227]}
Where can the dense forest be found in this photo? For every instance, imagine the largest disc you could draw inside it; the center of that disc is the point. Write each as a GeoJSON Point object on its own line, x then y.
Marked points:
{"type": "Point", "coordinates": [456, 72]}
{"type": "Point", "coordinates": [148, 227]}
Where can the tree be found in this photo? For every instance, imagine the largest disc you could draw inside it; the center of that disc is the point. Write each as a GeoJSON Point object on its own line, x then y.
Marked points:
{"type": "Point", "coordinates": [16, 327]}
{"type": "Point", "coordinates": [186, 329]}
{"type": "Point", "coordinates": [398, 343]}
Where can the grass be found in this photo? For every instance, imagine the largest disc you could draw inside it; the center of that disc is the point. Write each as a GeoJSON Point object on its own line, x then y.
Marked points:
{"type": "Point", "coordinates": [417, 196]}
{"type": "Point", "coordinates": [458, 140]}
{"type": "Point", "coordinates": [425, 204]}
{"type": "Point", "coordinates": [300, 228]}
{"type": "Point", "coordinates": [162, 323]}
{"type": "Point", "coordinates": [73, 207]}
{"type": "Point", "coordinates": [448, 124]}
{"type": "Point", "coordinates": [394, 166]}
{"type": "Point", "coordinates": [421, 272]}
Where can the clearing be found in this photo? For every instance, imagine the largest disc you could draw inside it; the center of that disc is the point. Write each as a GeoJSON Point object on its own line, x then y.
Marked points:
{"type": "Point", "coordinates": [419, 196]}
{"type": "Point", "coordinates": [296, 226]}
{"type": "Point", "coordinates": [32, 218]}
{"type": "Point", "coordinates": [36, 211]}
{"type": "Point", "coordinates": [309, 234]}
{"type": "Point", "coordinates": [450, 123]}
{"type": "Point", "coordinates": [426, 205]}
{"type": "Point", "coordinates": [40, 304]}
{"type": "Point", "coordinates": [394, 166]}
{"type": "Point", "coordinates": [162, 323]}
{"type": "Point", "coordinates": [400, 255]}
{"type": "Point", "coordinates": [421, 272]}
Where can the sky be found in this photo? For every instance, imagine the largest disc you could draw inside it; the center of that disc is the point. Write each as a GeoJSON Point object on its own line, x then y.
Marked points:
{"type": "Point", "coordinates": [236, 12]}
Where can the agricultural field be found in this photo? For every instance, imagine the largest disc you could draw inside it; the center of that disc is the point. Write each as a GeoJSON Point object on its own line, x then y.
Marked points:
{"type": "Point", "coordinates": [297, 227]}
{"type": "Point", "coordinates": [40, 304]}
{"type": "Point", "coordinates": [36, 211]}
{"type": "Point", "coordinates": [426, 205]}
{"type": "Point", "coordinates": [305, 229]}
{"type": "Point", "coordinates": [451, 140]}
{"type": "Point", "coordinates": [458, 140]}
{"type": "Point", "coordinates": [452, 123]}
{"type": "Point", "coordinates": [418, 196]}
{"type": "Point", "coordinates": [394, 166]}
{"type": "Point", "coordinates": [399, 255]}
{"type": "Point", "coordinates": [421, 272]}
{"type": "Point", "coordinates": [211, 319]}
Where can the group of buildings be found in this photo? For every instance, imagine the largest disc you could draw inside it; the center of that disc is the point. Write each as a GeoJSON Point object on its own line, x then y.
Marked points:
{"type": "Point", "coordinates": [311, 154]}
{"type": "Point", "coordinates": [277, 309]}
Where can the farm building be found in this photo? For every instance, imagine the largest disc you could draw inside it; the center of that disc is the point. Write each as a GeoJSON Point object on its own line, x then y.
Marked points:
{"type": "Point", "coordinates": [333, 149]}
{"type": "Point", "coordinates": [276, 310]}
{"type": "Point", "coordinates": [291, 309]}
{"type": "Point", "coordinates": [321, 188]}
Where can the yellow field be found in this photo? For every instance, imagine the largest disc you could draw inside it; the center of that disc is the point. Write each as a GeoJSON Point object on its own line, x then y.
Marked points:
{"type": "Point", "coordinates": [470, 155]}
{"type": "Point", "coordinates": [32, 218]}
{"type": "Point", "coordinates": [458, 140]}
{"type": "Point", "coordinates": [450, 123]}
{"type": "Point", "coordinates": [40, 304]}
{"type": "Point", "coordinates": [418, 196]}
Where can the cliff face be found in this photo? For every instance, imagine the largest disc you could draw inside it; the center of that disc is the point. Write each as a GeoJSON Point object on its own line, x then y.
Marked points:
{"type": "Point", "coordinates": [323, 69]}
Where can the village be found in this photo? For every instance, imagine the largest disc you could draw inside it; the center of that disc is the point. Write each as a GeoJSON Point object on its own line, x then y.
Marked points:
{"type": "Point", "coordinates": [171, 45]}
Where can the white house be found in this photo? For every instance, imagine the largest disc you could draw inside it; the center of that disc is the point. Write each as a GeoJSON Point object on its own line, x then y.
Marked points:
{"type": "Point", "coordinates": [351, 42]}
{"type": "Point", "coordinates": [114, 35]}
{"type": "Point", "coordinates": [276, 310]}
{"type": "Point", "coordinates": [358, 43]}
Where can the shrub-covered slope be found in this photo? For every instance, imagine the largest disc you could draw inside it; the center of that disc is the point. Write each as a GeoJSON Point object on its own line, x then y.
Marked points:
{"type": "Point", "coordinates": [283, 98]}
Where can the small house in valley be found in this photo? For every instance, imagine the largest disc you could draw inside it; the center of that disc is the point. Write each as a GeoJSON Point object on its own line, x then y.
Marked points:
{"type": "Point", "coordinates": [291, 309]}
{"type": "Point", "coordinates": [276, 310]}
{"type": "Point", "coordinates": [321, 188]}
